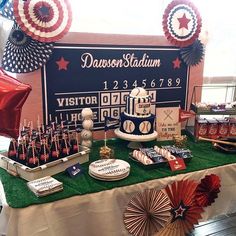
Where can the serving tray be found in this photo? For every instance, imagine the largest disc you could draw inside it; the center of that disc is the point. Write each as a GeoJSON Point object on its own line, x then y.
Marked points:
{"type": "Point", "coordinates": [48, 169]}
{"type": "Point", "coordinates": [157, 164]}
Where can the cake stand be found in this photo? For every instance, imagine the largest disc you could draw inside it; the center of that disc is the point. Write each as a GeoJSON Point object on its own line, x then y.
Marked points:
{"type": "Point", "coordinates": [135, 140]}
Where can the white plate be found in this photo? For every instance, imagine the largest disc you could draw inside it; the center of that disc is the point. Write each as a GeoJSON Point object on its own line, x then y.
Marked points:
{"type": "Point", "coordinates": [109, 179]}
{"type": "Point", "coordinates": [109, 168]}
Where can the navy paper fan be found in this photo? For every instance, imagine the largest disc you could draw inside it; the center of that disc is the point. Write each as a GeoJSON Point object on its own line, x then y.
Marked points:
{"type": "Point", "coordinates": [193, 54]}
{"type": "Point", "coordinates": [6, 9]}
{"type": "Point", "coordinates": [2, 3]}
{"type": "Point", "coordinates": [22, 54]}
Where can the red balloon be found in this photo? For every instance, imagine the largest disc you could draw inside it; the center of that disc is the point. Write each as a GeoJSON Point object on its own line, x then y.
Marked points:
{"type": "Point", "coordinates": [13, 94]}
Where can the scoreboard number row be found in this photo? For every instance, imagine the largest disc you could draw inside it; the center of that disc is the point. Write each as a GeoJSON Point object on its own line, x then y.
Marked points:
{"type": "Point", "coordinates": [154, 83]}
{"type": "Point", "coordinates": [119, 98]}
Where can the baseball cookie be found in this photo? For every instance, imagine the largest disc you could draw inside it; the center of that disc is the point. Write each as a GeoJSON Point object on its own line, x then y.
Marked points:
{"type": "Point", "coordinates": [145, 127]}
{"type": "Point", "coordinates": [128, 126]}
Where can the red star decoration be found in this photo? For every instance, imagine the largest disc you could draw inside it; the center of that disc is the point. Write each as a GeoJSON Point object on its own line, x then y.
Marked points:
{"type": "Point", "coordinates": [176, 63]}
{"type": "Point", "coordinates": [183, 22]}
{"type": "Point", "coordinates": [62, 64]}
{"type": "Point", "coordinates": [13, 95]}
{"type": "Point", "coordinates": [180, 211]}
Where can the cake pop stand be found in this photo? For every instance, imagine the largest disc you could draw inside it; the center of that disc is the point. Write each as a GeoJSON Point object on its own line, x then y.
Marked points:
{"type": "Point", "coordinates": [135, 140]}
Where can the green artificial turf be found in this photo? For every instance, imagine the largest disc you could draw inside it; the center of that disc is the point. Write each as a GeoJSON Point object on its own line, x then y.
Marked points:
{"type": "Point", "coordinates": [204, 156]}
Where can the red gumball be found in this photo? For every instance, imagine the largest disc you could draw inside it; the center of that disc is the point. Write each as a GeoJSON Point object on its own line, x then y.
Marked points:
{"type": "Point", "coordinates": [13, 94]}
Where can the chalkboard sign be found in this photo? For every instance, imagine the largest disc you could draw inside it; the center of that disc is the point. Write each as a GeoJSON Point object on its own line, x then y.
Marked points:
{"type": "Point", "coordinates": [100, 77]}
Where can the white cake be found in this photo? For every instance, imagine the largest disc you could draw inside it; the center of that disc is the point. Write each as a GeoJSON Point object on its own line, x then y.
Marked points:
{"type": "Point", "coordinates": [137, 121]}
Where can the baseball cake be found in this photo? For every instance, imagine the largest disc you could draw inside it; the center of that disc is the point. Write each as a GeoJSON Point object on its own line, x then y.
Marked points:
{"type": "Point", "coordinates": [137, 120]}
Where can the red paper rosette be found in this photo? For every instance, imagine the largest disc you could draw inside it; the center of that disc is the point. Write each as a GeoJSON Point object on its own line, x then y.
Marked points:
{"type": "Point", "coordinates": [185, 211]}
{"type": "Point", "coordinates": [207, 191]}
{"type": "Point", "coordinates": [181, 23]}
{"type": "Point", "coordinates": [147, 213]}
{"type": "Point", "coordinates": [43, 20]}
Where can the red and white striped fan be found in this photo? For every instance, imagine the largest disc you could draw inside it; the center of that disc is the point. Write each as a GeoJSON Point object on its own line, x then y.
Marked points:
{"type": "Point", "coordinates": [43, 20]}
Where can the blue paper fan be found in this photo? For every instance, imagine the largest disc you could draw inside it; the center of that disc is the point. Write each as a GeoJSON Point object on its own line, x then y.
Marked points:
{"type": "Point", "coordinates": [193, 54]}
{"type": "Point", "coordinates": [22, 54]}
{"type": "Point", "coordinates": [6, 9]}
{"type": "Point", "coordinates": [2, 3]}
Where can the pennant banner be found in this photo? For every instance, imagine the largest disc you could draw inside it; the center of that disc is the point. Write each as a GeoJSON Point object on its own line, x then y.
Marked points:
{"type": "Point", "coordinates": [184, 115]}
{"type": "Point", "coordinates": [111, 123]}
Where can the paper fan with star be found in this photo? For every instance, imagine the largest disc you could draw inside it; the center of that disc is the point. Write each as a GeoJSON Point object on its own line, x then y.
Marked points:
{"type": "Point", "coordinates": [181, 23]}
{"type": "Point", "coordinates": [207, 191]}
{"type": "Point", "coordinates": [6, 9]}
{"type": "Point", "coordinates": [2, 3]}
{"type": "Point", "coordinates": [184, 208]}
{"type": "Point", "coordinates": [22, 54]}
{"type": "Point", "coordinates": [193, 54]}
{"type": "Point", "coordinates": [147, 213]}
{"type": "Point", "coordinates": [43, 20]}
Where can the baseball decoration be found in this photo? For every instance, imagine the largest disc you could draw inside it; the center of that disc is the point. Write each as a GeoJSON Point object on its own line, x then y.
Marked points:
{"type": "Point", "coordinates": [181, 23]}
{"type": "Point", "coordinates": [145, 127]}
{"type": "Point", "coordinates": [87, 124]}
{"type": "Point", "coordinates": [129, 126]}
{"type": "Point", "coordinates": [43, 20]}
{"type": "Point", "coordinates": [22, 54]}
{"type": "Point", "coordinates": [147, 212]}
{"type": "Point", "coordinates": [138, 91]}
{"type": "Point", "coordinates": [86, 134]}
{"type": "Point", "coordinates": [87, 143]}
{"type": "Point", "coordinates": [87, 114]}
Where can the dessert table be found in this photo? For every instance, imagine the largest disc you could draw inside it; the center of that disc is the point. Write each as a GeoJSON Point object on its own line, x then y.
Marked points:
{"type": "Point", "coordinates": [92, 207]}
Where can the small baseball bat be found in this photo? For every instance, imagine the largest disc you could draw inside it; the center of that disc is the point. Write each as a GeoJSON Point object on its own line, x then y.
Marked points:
{"type": "Point", "coordinates": [217, 141]}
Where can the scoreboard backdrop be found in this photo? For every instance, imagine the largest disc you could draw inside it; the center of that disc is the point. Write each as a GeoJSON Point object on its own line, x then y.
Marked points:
{"type": "Point", "coordinates": [100, 77]}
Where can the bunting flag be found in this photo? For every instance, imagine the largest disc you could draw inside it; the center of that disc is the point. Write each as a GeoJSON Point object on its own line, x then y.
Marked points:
{"type": "Point", "coordinates": [184, 115]}
{"type": "Point", "coordinates": [111, 123]}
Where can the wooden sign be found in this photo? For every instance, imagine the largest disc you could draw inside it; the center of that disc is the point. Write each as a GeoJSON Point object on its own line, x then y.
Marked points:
{"type": "Point", "coordinates": [167, 122]}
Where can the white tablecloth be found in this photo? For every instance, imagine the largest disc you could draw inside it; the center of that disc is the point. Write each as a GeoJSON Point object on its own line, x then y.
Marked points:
{"type": "Point", "coordinates": [101, 214]}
